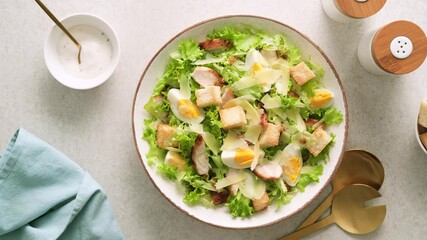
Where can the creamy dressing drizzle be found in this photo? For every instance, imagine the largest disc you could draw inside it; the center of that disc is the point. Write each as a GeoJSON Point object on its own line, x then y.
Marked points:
{"type": "Point", "coordinates": [96, 54]}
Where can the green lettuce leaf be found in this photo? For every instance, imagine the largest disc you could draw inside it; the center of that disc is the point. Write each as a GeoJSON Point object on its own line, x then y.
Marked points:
{"type": "Point", "coordinates": [155, 154]}
{"type": "Point", "coordinates": [168, 171]}
{"type": "Point", "coordinates": [333, 116]}
{"type": "Point", "coordinates": [212, 123]}
{"type": "Point", "coordinates": [240, 206]}
{"type": "Point", "coordinates": [188, 50]}
{"type": "Point", "coordinates": [276, 193]}
{"type": "Point", "coordinates": [186, 141]}
{"type": "Point", "coordinates": [193, 184]}
{"type": "Point", "coordinates": [307, 178]}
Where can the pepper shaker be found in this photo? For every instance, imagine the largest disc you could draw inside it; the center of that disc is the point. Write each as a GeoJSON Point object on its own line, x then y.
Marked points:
{"type": "Point", "coordinates": [345, 11]}
{"type": "Point", "coordinates": [397, 48]}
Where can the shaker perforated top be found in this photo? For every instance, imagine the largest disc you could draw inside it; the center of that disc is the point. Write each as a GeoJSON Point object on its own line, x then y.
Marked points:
{"type": "Point", "coordinates": [360, 8]}
{"type": "Point", "coordinates": [399, 47]}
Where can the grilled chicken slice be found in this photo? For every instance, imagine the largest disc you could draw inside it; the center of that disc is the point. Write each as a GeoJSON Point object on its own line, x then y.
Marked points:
{"type": "Point", "coordinates": [227, 96]}
{"type": "Point", "coordinates": [207, 77]}
{"type": "Point", "coordinates": [264, 120]}
{"type": "Point", "coordinates": [269, 171]}
{"type": "Point", "coordinates": [215, 45]}
{"type": "Point", "coordinates": [220, 197]}
{"type": "Point", "coordinates": [199, 157]}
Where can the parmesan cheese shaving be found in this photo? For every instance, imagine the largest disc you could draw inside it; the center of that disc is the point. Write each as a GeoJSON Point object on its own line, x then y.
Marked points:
{"type": "Point", "coordinates": [251, 187]}
{"type": "Point", "coordinates": [233, 141]}
{"type": "Point", "coordinates": [271, 102]}
{"type": "Point", "coordinates": [209, 138]}
{"type": "Point", "coordinates": [252, 133]}
{"type": "Point", "coordinates": [184, 87]}
{"type": "Point", "coordinates": [257, 154]}
{"type": "Point", "coordinates": [231, 178]}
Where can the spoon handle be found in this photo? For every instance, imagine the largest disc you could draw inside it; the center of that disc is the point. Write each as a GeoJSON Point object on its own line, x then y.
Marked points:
{"type": "Point", "coordinates": [310, 229]}
{"type": "Point", "coordinates": [57, 22]}
{"type": "Point", "coordinates": [318, 212]}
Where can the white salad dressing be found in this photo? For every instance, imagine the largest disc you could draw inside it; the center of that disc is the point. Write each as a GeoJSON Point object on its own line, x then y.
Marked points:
{"type": "Point", "coordinates": [95, 56]}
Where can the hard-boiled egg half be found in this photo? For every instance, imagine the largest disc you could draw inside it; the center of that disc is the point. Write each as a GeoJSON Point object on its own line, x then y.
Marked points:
{"type": "Point", "coordinates": [255, 61]}
{"type": "Point", "coordinates": [322, 98]}
{"type": "Point", "coordinates": [291, 164]}
{"type": "Point", "coordinates": [183, 108]}
{"type": "Point", "coordinates": [239, 158]}
{"type": "Point", "coordinates": [261, 70]}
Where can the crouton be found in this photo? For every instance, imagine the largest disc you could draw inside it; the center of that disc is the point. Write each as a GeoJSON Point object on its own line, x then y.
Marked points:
{"type": "Point", "coordinates": [164, 136]}
{"type": "Point", "coordinates": [270, 137]}
{"type": "Point", "coordinates": [320, 141]}
{"type": "Point", "coordinates": [423, 138]}
{"type": "Point", "coordinates": [262, 203]}
{"type": "Point", "coordinates": [208, 96]}
{"type": "Point", "coordinates": [206, 77]}
{"type": "Point", "coordinates": [301, 73]}
{"type": "Point", "coordinates": [232, 117]}
{"type": "Point", "coordinates": [422, 115]}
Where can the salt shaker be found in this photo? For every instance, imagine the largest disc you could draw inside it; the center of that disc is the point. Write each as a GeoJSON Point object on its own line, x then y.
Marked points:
{"type": "Point", "coordinates": [345, 11]}
{"type": "Point", "coordinates": [397, 48]}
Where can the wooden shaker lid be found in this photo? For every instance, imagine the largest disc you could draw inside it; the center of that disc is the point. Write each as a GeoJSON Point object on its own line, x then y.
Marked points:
{"type": "Point", "coordinates": [360, 8]}
{"type": "Point", "coordinates": [381, 47]}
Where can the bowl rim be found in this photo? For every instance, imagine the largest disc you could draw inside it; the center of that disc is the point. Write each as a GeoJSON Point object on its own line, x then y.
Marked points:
{"type": "Point", "coordinates": [417, 134]}
{"type": "Point", "coordinates": [114, 63]}
{"type": "Point", "coordinates": [346, 120]}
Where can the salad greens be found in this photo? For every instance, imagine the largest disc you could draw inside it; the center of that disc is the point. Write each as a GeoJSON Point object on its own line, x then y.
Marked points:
{"type": "Point", "coordinates": [287, 105]}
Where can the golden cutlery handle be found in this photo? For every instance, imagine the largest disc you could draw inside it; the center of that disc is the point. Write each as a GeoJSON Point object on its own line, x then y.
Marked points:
{"type": "Point", "coordinates": [59, 24]}
{"type": "Point", "coordinates": [318, 212]}
{"type": "Point", "coordinates": [310, 229]}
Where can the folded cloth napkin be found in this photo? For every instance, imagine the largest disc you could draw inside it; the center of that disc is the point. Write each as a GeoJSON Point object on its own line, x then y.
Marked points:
{"type": "Point", "coordinates": [45, 195]}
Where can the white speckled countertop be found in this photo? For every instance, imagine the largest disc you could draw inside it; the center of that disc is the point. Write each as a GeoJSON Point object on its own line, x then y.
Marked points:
{"type": "Point", "coordinates": [93, 127]}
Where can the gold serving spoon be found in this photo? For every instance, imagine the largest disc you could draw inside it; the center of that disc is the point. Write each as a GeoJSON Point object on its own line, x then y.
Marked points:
{"type": "Point", "coordinates": [357, 166]}
{"type": "Point", "coordinates": [59, 24]}
{"type": "Point", "coordinates": [349, 213]}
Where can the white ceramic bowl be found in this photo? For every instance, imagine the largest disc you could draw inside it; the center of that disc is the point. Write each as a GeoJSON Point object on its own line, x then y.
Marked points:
{"type": "Point", "coordinates": [173, 191]}
{"type": "Point", "coordinates": [51, 51]}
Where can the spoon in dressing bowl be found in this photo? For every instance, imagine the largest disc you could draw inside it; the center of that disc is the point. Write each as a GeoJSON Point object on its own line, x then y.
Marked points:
{"type": "Point", "coordinates": [59, 24]}
{"type": "Point", "coordinates": [357, 167]}
{"type": "Point", "coordinates": [349, 212]}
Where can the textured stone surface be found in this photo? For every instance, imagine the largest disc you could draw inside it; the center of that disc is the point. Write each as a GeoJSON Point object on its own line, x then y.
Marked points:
{"type": "Point", "coordinates": [93, 127]}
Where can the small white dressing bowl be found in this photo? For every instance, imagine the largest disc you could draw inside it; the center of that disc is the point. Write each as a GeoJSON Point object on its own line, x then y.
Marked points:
{"type": "Point", "coordinates": [51, 53]}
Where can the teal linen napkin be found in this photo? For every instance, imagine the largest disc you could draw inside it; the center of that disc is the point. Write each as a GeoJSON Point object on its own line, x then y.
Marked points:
{"type": "Point", "coordinates": [45, 195]}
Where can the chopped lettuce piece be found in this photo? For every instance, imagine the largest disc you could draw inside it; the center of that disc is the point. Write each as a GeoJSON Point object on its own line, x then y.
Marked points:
{"type": "Point", "coordinates": [155, 154]}
{"type": "Point", "coordinates": [333, 116]}
{"type": "Point", "coordinates": [168, 171]}
{"type": "Point", "coordinates": [188, 51]}
{"type": "Point", "coordinates": [240, 206]}
{"type": "Point", "coordinates": [309, 177]}
{"type": "Point", "coordinates": [186, 141]}
{"type": "Point", "coordinates": [278, 193]}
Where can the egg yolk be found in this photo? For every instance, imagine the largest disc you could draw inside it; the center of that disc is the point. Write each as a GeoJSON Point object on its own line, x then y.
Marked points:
{"type": "Point", "coordinates": [292, 169]}
{"type": "Point", "coordinates": [188, 109]}
{"type": "Point", "coordinates": [256, 67]}
{"type": "Point", "coordinates": [321, 98]}
{"type": "Point", "coordinates": [244, 156]}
